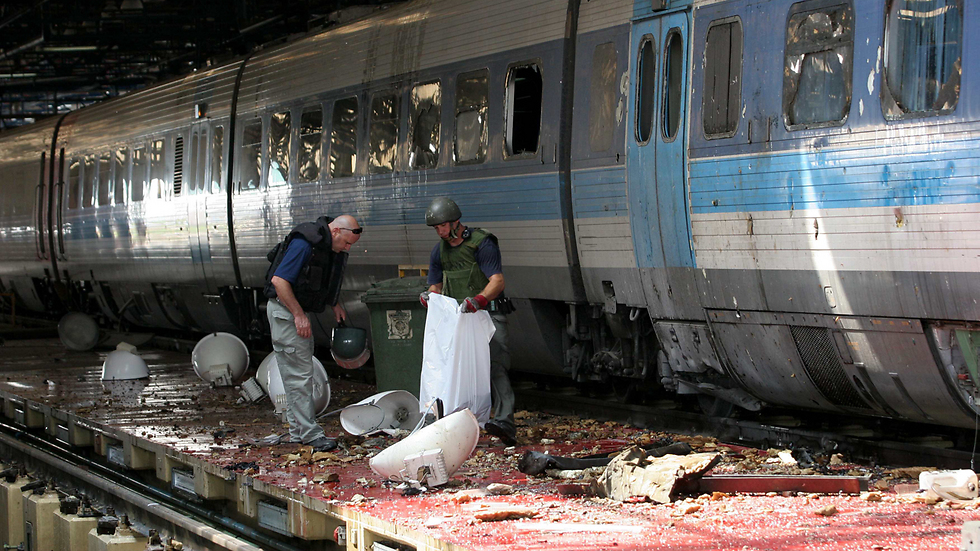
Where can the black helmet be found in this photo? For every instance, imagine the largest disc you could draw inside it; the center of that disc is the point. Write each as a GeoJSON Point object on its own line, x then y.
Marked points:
{"type": "Point", "coordinates": [442, 209]}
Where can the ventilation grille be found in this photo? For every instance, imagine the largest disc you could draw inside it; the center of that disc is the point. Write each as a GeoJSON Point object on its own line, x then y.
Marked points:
{"type": "Point", "coordinates": [178, 165]}
{"type": "Point", "coordinates": [822, 364]}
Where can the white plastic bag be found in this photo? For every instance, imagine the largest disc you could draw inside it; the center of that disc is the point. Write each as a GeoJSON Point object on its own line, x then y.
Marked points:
{"type": "Point", "coordinates": [456, 358]}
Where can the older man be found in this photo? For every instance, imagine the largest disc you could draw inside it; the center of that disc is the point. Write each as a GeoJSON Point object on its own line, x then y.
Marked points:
{"type": "Point", "coordinates": [466, 265]}
{"type": "Point", "coordinates": [304, 278]}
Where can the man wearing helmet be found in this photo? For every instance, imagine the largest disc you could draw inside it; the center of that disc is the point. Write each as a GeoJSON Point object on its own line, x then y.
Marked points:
{"type": "Point", "coordinates": [466, 266]}
{"type": "Point", "coordinates": [304, 278]}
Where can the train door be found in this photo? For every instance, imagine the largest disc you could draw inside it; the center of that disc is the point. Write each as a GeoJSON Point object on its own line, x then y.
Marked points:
{"type": "Point", "coordinates": [656, 150]}
{"type": "Point", "coordinates": [197, 171]}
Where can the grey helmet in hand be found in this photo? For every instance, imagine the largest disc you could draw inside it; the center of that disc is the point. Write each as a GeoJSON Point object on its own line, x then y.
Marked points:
{"type": "Point", "coordinates": [442, 209]}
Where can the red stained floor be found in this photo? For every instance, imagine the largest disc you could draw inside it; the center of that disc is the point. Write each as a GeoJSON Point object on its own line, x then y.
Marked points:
{"type": "Point", "coordinates": [177, 409]}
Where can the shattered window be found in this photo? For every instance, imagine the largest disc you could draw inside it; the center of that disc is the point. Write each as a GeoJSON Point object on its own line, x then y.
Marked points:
{"type": "Point", "coordinates": [646, 90]}
{"type": "Point", "coordinates": [138, 185]}
{"type": "Point", "coordinates": [425, 124]}
{"type": "Point", "coordinates": [603, 97]}
{"type": "Point", "coordinates": [217, 157]}
{"type": "Point", "coordinates": [158, 171]}
{"type": "Point", "coordinates": [383, 135]}
{"type": "Point", "coordinates": [343, 138]}
{"type": "Point", "coordinates": [279, 149]}
{"type": "Point", "coordinates": [250, 171]}
{"type": "Point", "coordinates": [121, 161]}
{"type": "Point", "coordinates": [470, 144]}
{"type": "Point", "coordinates": [817, 72]}
{"type": "Point", "coordinates": [923, 57]}
{"type": "Point", "coordinates": [104, 179]}
{"type": "Point", "coordinates": [310, 151]}
{"type": "Point", "coordinates": [74, 174]}
{"type": "Point", "coordinates": [722, 99]}
{"type": "Point", "coordinates": [523, 115]}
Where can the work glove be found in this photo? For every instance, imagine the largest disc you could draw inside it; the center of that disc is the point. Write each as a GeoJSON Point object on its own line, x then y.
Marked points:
{"type": "Point", "coordinates": [475, 304]}
{"type": "Point", "coordinates": [424, 298]}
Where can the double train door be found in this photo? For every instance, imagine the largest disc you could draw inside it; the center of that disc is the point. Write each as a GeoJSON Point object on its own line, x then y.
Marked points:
{"type": "Point", "coordinates": [197, 186]}
{"type": "Point", "coordinates": [656, 145]}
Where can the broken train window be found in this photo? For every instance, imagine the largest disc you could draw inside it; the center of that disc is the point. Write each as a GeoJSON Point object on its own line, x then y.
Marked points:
{"type": "Point", "coordinates": [472, 93]}
{"type": "Point", "coordinates": [923, 57]}
{"type": "Point", "coordinates": [425, 125]}
{"type": "Point", "coordinates": [523, 115]}
{"type": "Point", "coordinates": [817, 71]}
{"type": "Point", "coordinates": [383, 133]}
{"type": "Point", "coordinates": [722, 101]}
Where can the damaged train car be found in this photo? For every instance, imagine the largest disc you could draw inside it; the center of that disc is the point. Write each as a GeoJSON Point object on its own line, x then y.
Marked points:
{"type": "Point", "coordinates": [751, 202]}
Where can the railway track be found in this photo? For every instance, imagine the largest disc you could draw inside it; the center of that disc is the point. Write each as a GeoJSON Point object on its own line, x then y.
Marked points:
{"type": "Point", "coordinates": [875, 441]}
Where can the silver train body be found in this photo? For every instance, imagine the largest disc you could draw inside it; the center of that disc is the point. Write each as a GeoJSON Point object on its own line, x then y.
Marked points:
{"type": "Point", "coordinates": [754, 202]}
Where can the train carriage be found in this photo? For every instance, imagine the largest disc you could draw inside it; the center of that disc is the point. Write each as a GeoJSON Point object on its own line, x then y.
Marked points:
{"type": "Point", "coordinates": [756, 202]}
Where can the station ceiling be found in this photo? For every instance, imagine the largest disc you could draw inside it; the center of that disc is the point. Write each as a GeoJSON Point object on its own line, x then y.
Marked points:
{"type": "Point", "coordinates": [59, 55]}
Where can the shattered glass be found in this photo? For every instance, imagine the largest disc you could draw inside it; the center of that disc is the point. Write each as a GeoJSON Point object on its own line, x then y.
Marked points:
{"type": "Point", "coordinates": [279, 149]}
{"type": "Point", "coordinates": [250, 172]}
{"type": "Point", "coordinates": [603, 97]}
{"type": "Point", "coordinates": [817, 72]}
{"type": "Point", "coordinates": [426, 124]}
{"type": "Point", "coordinates": [923, 57]}
{"type": "Point", "coordinates": [343, 138]}
{"type": "Point", "coordinates": [470, 145]}
{"type": "Point", "coordinates": [383, 134]}
{"type": "Point", "coordinates": [310, 132]}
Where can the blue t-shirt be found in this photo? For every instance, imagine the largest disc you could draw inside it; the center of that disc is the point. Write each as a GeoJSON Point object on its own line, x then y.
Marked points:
{"type": "Point", "coordinates": [487, 257]}
{"type": "Point", "coordinates": [297, 253]}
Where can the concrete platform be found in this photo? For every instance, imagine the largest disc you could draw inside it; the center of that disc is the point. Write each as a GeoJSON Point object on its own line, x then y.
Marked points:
{"type": "Point", "coordinates": [169, 426]}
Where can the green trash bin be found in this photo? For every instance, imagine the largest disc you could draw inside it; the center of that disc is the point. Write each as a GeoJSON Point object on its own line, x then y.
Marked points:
{"type": "Point", "coordinates": [397, 332]}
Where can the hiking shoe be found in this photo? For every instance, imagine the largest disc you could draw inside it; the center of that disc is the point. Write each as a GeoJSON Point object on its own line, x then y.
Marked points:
{"type": "Point", "coordinates": [323, 444]}
{"type": "Point", "coordinates": [506, 434]}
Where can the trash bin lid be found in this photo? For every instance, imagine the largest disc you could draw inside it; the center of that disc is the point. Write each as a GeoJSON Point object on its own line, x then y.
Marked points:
{"type": "Point", "coordinates": [396, 290]}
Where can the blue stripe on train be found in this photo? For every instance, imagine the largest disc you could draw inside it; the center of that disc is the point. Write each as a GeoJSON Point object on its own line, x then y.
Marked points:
{"type": "Point", "coordinates": [834, 179]}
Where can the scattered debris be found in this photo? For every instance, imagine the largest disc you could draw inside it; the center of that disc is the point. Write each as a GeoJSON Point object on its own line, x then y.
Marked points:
{"type": "Point", "coordinates": [497, 489]}
{"type": "Point", "coordinates": [497, 512]}
{"type": "Point", "coordinates": [827, 510]}
{"type": "Point", "coordinates": [631, 474]}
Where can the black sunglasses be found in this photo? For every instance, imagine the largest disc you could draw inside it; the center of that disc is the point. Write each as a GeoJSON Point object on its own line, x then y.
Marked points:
{"type": "Point", "coordinates": [355, 232]}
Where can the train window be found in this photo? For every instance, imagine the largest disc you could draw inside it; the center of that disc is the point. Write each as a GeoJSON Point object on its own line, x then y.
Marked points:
{"type": "Point", "coordinates": [472, 99]}
{"type": "Point", "coordinates": [603, 97]}
{"type": "Point", "coordinates": [104, 179]}
{"type": "Point", "coordinates": [121, 180]}
{"type": "Point", "coordinates": [923, 57]}
{"type": "Point", "coordinates": [646, 89]}
{"type": "Point", "coordinates": [425, 123]}
{"type": "Point", "coordinates": [310, 148]}
{"type": "Point", "coordinates": [383, 135]}
{"type": "Point", "coordinates": [722, 101]}
{"type": "Point", "coordinates": [138, 184]}
{"type": "Point", "coordinates": [91, 177]}
{"type": "Point", "coordinates": [817, 73]}
{"type": "Point", "coordinates": [250, 172]}
{"type": "Point", "coordinates": [178, 165]}
{"type": "Point", "coordinates": [217, 157]}
{"type": "Point", "coordinates": [343, 138]}
{"type": "Point", "coordinates": [200, 166]}
{"type": "Point", "coordinates": [673, 78]}
{"type": "Point", "coordinates": [279, 149]}
{"type": "Point", "coordinates": [74, 174]}
{"type": "Point", "coordinates": [158, 170]}
{"type": "Point", "coordinates": [523, 114]}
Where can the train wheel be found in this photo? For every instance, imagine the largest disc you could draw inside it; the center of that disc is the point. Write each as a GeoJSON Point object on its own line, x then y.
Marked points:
{"type": "Point", "coordinates": [714, 406]}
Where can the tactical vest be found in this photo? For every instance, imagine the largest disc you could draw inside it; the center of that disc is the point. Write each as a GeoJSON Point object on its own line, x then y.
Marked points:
{"type": "Point", "coordinates": [461, 274]}
{"type": "Point", "coordinates": [318, 284]}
